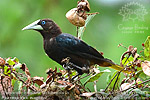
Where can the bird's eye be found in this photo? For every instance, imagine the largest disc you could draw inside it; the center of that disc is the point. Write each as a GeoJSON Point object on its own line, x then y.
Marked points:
{"type": "Point", "coordinates": [43, 22]}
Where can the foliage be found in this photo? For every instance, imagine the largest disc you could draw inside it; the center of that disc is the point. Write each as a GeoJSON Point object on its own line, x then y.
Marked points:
{"type": "Point", "coordinates": [17, 82]}
{"type": "Point", "coordinates": [147, 48]}
{"type": "Point", "coordinates": [60, 84]}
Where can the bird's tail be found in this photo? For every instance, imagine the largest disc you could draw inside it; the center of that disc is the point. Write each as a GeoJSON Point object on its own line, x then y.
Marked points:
{"type": "Point", "coordinates": [108, 63]}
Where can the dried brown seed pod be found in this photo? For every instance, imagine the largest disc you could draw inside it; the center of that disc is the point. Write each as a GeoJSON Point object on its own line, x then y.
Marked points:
{"type": "Point", "coordinates": [2, 61]}
{"type": "Point", "coordinates": [82, 14]}
{"type": "Point", "coordinates": [83, 5]}
{"type": "Point", "coordinates": [74, 18]}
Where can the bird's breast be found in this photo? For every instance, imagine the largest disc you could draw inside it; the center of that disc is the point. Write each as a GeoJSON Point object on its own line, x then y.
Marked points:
{"type": "Point", "coordinates": [53, 50]}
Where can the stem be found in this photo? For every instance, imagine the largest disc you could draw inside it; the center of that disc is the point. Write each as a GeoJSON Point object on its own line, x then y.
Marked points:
{"type": "Point", "coordinates": [82, 78]}
{"type": "Point", "coordinates": [115, 82]}
{"type": "Point", "coordinates": [120, 71]}
{"type": "Point", "coordinates": [24, 82]}
{"type": "Point", "coordinates": [78, 32]}
{"type": "Point", "coordinates": [110, 82]}
{"type": "Point", "coordinates": [95, 88]}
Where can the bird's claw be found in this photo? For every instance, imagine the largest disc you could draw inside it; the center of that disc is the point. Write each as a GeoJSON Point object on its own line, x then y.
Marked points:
{"type": "Point", "coordinates": [67, 67]}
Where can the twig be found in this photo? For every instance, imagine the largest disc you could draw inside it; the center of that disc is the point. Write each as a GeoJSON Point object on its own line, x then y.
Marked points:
{"type": "Point", "coordinates": [95, 88]}
{"type": "Point", "coordinates": [3, 87]}
{"type": "Point", "coordinates": [82, 86]}
{"type": "Point", "coordinates": [82, 77]}
{"type": "Point", "coordinates": [89, 89]}
{"type": "Point", "coordinates": [10, 80]}
{"type": "Point", "coordinates": [24, 82]}
{"type": "Point", "coordinates": [115, 82]}
{"type": "Point", "coordinates": [92, 13]}
{"type": "Point", "coordinates": [7, 87]}
{"type": "Point", "coordinates": [123, 57]}
{"type": "Point", "coordinates": [111, 81]}
{"type": "Point", "coordinates": [122, 46]}
{"type": "Point", "coordinates": [122, 69]}
{"type": "Point", "coordinates": [115, 76]}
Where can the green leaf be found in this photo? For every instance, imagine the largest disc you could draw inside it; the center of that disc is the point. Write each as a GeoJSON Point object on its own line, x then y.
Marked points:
{"type": "Point", "coordinates": [8, 71]}
{"type": "Point", "coordinates": [81, 29]}
{"type": "Point", "coordinates": [96, 76]}
{"type": "Point", "coordinates": [108, 79]}
{"type": "Point", "coordinates": [138, 68]}
{"type": "Point", "coordinates": [137, 73]}
{"type": "Point", "coordinates": [5, 70]}
{"type": "Point", "coordinates": [13, 82]}
{"type": "Point", "coordinates": [142, 93]}
{"type": "Point", "coordinates": [73, 73]}
{"type": "Point", "coordinates": [141, 58]}
{"type": "Point", "coordinates": [147, 48]}
{"type": "Point", "coordinates": [10, 61]}
{"type": "Point", "coordinates": [1, 67]}
{"type": "Point", "coordinates": [113, 82]}
{"type": "Point", "coordinates": [126, 61]}
{"type": "Point", "coordinates": [16, 59]}
{"type": "Point", "coordinates": [143, 76]}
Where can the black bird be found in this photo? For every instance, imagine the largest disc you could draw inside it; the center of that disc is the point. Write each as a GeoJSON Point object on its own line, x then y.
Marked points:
{"type": "Point", "coordinates": [59, 46]}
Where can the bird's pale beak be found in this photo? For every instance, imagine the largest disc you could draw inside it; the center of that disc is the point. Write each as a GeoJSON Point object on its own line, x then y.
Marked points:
{"type": "Point", "coordinates": [33, 26]}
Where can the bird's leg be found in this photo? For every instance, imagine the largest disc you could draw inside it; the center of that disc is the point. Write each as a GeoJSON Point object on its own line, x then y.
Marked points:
{"type": "Point", "coordinates": [84, 69]}
{"type": "Point", "coordinates": [66, 64]}
{"type": "Point", "coordinates": [68, 72]}
{"type": "Point", "coordinates": [69, 66]}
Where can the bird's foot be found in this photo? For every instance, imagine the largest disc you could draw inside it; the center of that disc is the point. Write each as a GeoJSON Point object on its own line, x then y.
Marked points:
{"type": "Point", "coordinates": [66, 65]}
{"type": "Point", "coordinates": [85, 69]}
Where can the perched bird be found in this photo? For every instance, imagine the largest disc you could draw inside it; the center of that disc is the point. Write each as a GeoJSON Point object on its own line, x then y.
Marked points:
{"type": "Point", "coordinates": [59, 46]}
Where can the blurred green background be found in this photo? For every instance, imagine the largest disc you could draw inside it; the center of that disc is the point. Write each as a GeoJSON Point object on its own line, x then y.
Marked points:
{"type": "Point", "coordinates": [102, 32]}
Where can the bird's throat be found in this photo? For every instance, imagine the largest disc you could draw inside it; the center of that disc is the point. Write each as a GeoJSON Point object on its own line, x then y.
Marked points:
{"type": "Point", "coordinates": [48, 34]}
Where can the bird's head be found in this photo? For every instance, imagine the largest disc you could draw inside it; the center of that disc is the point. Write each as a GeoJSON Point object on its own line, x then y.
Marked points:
{"type": "Point", "coordinates": [46, 27]}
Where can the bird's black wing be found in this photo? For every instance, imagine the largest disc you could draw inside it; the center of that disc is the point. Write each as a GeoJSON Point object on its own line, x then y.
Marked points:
{"type": "Point", "coordinates": [71, 44]}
